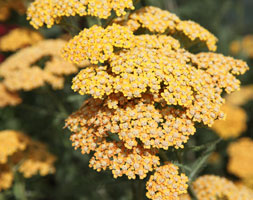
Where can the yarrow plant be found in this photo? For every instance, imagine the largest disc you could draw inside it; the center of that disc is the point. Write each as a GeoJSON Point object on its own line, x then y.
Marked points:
{"type": "Point", "coordinates": [148, 88]}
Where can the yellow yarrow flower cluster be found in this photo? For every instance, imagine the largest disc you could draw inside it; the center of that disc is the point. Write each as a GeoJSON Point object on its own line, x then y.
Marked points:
{"type": "Point", "coordinates": [241, 97]}
{"type": "Point", "coordinates": [11, 142]}
{"type": "Point", "coordinates": [214, 187]}
{"type": "Point", "coordinates": [245, 46]}
{"type": "Point", "coordinates": [49, 12]}
{"type": "Point", "coordinates": [37, 160]}
{"type": "Point", "coordinates": [147, 92]}
{"type": "Point", "coordinates": [8, 98]}
{"type": "Point", "coordinates": [30, 157]}
{"type": "Point", "coordinates": [160, 21]}
{"type": "Point", "coordinates": [166, 183]}
{"type": "Point", "coordinates": [20, 73]}
{"type": "Point", "coordinates": [241, 158]}
{"type": "Point", "coordinates": [19, 38]}
{"type": "Point", "coordinates": [234, 124]}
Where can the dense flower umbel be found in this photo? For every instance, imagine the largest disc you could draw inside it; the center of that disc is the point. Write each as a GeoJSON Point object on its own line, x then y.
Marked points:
{"type": "Point", "coordinates": [19, 38]}
{"type": "Point", "coordinates": [234, 124]}
{"type": "Point", "coordinates": [160, 21]}
{"type": "Point", "coordinates": [11, 142]}
{"type": "Point", "coordinates": [50, 12]}
{"type": "Point", "coordinates": [240, 97]}
{"type": "Point", "coordinates": [147, 92]}
{"type": "Point", "coordinates": [241, 158]}
{"type": "Point", "coordinates": [37, 160]}
{"type": "Point", "coordinates": [8, 98]}
{"type": "Point", "coordinates": [212, 187]}
{"type": "Point", "coordinates": [19, 72]}
{"type": "Point", "coordinates": [29, 157]}
{"type": "Point", "coordinates": [166, 183]}
{"type": "Point", "coordinates": [244, 46]}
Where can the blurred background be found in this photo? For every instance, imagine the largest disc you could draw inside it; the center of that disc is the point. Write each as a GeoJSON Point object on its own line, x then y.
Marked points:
{"type": "Point", "coordinates": [43, 111]}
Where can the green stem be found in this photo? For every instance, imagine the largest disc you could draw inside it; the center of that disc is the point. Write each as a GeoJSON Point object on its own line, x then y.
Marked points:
{"type": "Point", "coordinates": [202, 160]}
{"type": "Point", "coordinates": [19, 187]}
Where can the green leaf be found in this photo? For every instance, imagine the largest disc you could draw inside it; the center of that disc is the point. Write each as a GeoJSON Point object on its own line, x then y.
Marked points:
{"type": "Point", "coordinates": [199, 164]}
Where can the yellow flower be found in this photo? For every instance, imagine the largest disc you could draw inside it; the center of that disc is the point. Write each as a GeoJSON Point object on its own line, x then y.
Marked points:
{"type": "Point", "coordinates": [11, 142]}
{"type": "Point", "coordinates": [241, 158]}
{"type": "Point", "coordinates": [7, 97]}
{"type": "Point", "coordinates": [36, 159]}
{"type": "Point", "coordinates": [49, 12]}
{"type": "Point", "coordinates": [122, 161]}
{"type": "Point", "coordinates": [234, 124]}
{"type": "Point", "coordinates": [97, 44]}
{"type": "Point", "coordinates": [244, 46]}
{"type": "Point", "coordinates": [20, 73]}
{"type": "Point", "coordinates": [27, 156]}
{"type": "Point", "coordinates": [213, 187]}
{"type": "Point", "coordinates": [222, 68]}
{"type": "Point", "coordinates": [161, 21]}
{"type": "Point", "coordinates": [19, 38]}
{"type": "Point", "coordinates": [241, 97]}
{"type": "Point", "coordinates": [6, 177]}
{"type": "Point", "coordinates": [166, 183]}
{"type": "Point", "coordinates": [147, 91]}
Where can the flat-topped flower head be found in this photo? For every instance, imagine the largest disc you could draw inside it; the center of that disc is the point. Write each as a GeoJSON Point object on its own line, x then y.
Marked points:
{"type": "Point", "coordinates": [36, 160]}
{"type": "Point", "coordinates": [234, 124]}
{"type": "Point", "coordinates": [49, 12]}
{"type": "Point", "coordinates": [241, 158]}
{"type": "Point", "coordinates": [97, 44]}
{"type": "Point", "coordinates": [223, 69]}
{"type": "Point", "coordinates": [160, 21]}
{"type": "Point", "coordinates": [241, 97]}
{"type": "Point", "coordinates": [133, 121]}
{"type": "Point", "coordinates": [166, 183]}
{"type": "Point", "coordinates": [21, 73]}
{"type": "Point", "coordinates": [122, 161]}
{"type": "Point", "coordinates": [11, 142]}
{"type": "Point", "coordinates": [19, 38]}
{"type": "Point", "coordinates": [213, 187]}
{"type": "Point", "coordinates": [20, 153]}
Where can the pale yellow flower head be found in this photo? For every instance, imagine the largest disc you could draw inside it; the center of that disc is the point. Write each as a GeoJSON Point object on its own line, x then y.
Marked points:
{"type": "Point", "coordinates": [49, 12]}
{"type": "Point", "coordinates": [234, 124]}
{"type": "Point", "coordinates": [20, 72]}
{"type": "Point", "coordinates": [11, 142]}
{"type": "Point", "coordinates": [212, 187]}
{"type": "Point", "coordinates": [241, 158]}
{"type": "Point", "coordinates": [19, 38]}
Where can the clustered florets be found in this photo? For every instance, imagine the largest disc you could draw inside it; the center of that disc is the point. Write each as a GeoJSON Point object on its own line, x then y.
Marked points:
{"type": "Point", "coordinates": [20, 71]}
{"type": "Point", "coordinates": [50, 12]}
{"type": "Point", "coordinates": [147, 91]}
{"type": "Point", "coordinates": [28, 156]}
